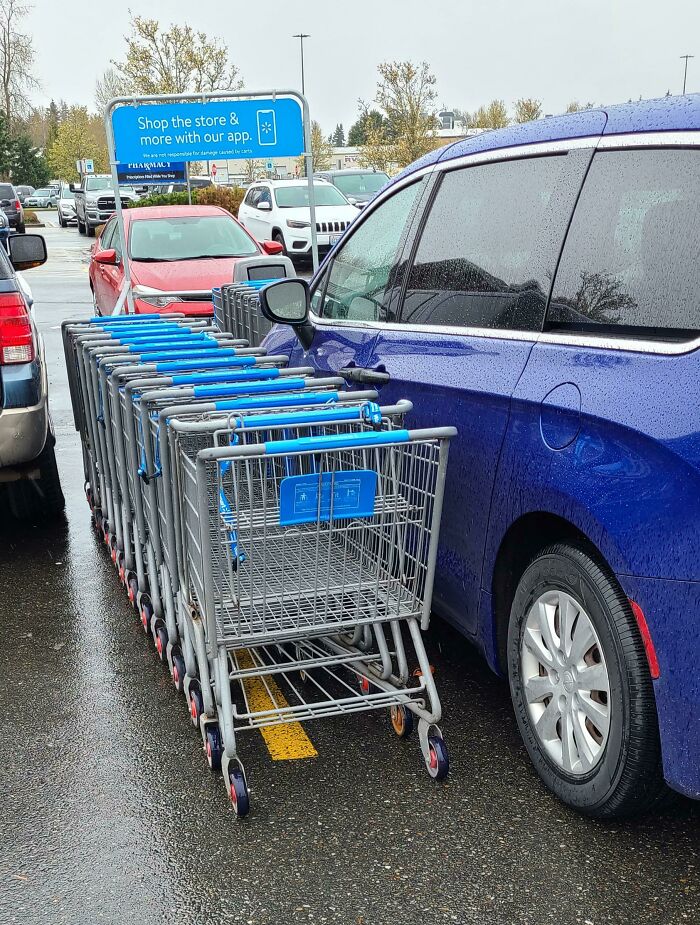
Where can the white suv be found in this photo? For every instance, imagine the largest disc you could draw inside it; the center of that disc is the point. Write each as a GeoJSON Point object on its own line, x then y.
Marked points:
{"type": "Point", "coordinates": [278, 210]}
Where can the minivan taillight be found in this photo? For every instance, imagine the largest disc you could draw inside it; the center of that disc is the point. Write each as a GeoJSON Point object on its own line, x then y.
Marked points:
{"type": "Point", "coordinates": [16, 340]}
{"type": "Point", "coordinates": [18, 205]}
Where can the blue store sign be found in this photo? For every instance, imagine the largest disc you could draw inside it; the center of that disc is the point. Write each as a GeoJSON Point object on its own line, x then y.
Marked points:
{"type": "Point", "coordinates": [258, 128]}
{"type": "Point", "coordinates": [152, 174]}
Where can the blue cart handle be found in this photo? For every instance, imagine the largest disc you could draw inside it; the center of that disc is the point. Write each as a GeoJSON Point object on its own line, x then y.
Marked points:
{"type": "Point", "coordinates": [282, 400]}
{"type": "Point", "coordinates": [337, 441]}
{"type": "Point", "coordinates": [250, 388]}
{"type": "Point", "coordinates": [184, 353]}
{"type": "Point", "coordinates": [224, 359]}
{"type": "Point", "coordinates": [369, 412]}
{"type": "Point", "coordinates": [223, 376]}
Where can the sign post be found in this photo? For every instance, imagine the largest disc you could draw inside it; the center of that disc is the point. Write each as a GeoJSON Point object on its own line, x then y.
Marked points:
{"type": "Point", "coordinates": [209, 126]}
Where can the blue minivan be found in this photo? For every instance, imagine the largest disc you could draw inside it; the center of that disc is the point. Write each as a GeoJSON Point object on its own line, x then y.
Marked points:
{"type": "Point", "coordinates": [539, 287]}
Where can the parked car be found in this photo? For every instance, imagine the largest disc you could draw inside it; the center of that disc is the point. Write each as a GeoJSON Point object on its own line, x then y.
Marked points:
{"type": "Point", "coordinates": [29, 481]}
{"type": "Point", "coordinates": [12, 207]}
{"type": "Point", "coordinates": [358, 186]}
{"type": "Point", "coordinates": [66, 207]}
{"type": "Point", "coordinates": [279, 209]}
{"type": "Point", "coordinates": [537, 286]}
{"type": "Point", "coordinates": [44, 198]}
{"type": "Point", "coordinates": [95, 201]}
{"type": "Point", "coordinates": [176, 254]}
{"type": "Point", "coordinates": [164, 189]}
{"type": "Point", "coordinates": [23, 192]}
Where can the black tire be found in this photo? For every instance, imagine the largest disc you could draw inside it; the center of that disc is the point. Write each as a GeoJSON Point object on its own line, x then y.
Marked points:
{"type": "Point", "coordinates": [628, 779]}
{"type": "Point", "coordinates": [81, 227]}
{"type": "Point", "coordinates": [89, 230]}
{"type": "Point", "coordinates": [21, 228]}
{"type": "Point", "coordinates": [42, 498]}
{"type": "Point", "coordinates": [279, 237]}
{"type": "Point", "coordinates": [61, 222]}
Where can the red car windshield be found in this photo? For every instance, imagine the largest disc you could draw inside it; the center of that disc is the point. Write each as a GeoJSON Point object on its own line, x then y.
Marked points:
{"type": "Point", "coordinates": [189, 238]}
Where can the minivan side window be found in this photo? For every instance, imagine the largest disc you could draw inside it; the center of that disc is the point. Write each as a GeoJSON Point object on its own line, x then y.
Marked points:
{"type": "Point", "coordinates": [365, 277]}
{"type": "Point", "coordinates": [631, 262]}
{"type": "Point", "coordinates": [489, 247]}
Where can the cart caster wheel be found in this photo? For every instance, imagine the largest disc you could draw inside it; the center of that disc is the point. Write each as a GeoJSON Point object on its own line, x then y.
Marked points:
{"type": "Point", "coordinates": [365, 686]}
{"type": "Point", "coordinates": [162, 642]}
{"type": "Point", "coordinates": [120, 567]}
{"type": "Point", "coordinates": [196, 705]}
{"type": "Point", "coordinates": [105, 532]}
{"type": "Point", "coordinates": [97, 520]}
{"type": "Point", "coordinates": [146, 614]}
{"type": "Point", "coordinates": [214, 747]}
{"type": "Point", "coordinates": [238, 792]}
{"type": "Point", "coordinates": [179, 672]}
{"type": "Point", "coordinates": [437, 762]}
{"type": "Point", "coordinates": [132, 589]}
{"type": "Point", "coordinates": [401, 720]}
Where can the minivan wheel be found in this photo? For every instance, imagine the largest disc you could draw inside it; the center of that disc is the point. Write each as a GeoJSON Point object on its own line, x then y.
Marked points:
{"type": "Point", "coordinates": [581, 688]}
{"type": "Point", "coordinates": [21, 228]}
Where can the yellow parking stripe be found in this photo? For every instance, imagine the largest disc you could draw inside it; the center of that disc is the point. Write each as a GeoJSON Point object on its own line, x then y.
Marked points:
{"type": "Point", "coordinates": [284, 743]}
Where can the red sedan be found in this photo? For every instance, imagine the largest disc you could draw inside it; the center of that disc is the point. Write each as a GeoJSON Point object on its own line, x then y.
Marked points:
{"type": "Point", "coordinates": [176, 255]}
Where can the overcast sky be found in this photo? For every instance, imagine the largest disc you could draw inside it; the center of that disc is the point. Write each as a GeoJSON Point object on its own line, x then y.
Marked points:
{"type": "Point", "coordinates": [555, 50]}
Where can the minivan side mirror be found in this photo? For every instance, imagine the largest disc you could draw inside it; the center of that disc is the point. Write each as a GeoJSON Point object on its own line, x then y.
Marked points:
{"type": "Point", "coordinates": [26, 251]}
{"type": "Point", "coordinates": [286, 301]}
{"type": "Point", "coordinates": [273, 248]}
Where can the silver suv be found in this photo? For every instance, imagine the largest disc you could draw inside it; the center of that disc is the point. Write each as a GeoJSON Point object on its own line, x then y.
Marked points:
{"type": "Point", "coordinates": [29, 483]}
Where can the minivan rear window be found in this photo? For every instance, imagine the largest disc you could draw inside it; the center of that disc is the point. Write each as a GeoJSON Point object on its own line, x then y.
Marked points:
{"type": "Point", "coordinates": [631, 262]}
{"type": "Point", "coordinates": [7, 191]}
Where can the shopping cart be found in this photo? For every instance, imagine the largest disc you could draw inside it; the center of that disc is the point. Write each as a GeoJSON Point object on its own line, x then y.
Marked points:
{"type": "Point", "coordinates": [220, 424]}
{"type": "Point", "coordinates": [284, 571]}
{"type": "Point", "coordinates": [239, 311]}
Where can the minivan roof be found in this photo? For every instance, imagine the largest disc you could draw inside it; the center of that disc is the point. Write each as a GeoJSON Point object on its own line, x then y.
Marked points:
{"type": "Point", "coordinates": [668, 114]}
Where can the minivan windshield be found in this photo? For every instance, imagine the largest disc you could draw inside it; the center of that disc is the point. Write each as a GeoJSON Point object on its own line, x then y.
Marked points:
{"type": "Point", "coordinates": [360, 184]}
{"type": "Point", "coordinates": [297, 196]}
{"type": "Point", "coordinates": [189, 238]}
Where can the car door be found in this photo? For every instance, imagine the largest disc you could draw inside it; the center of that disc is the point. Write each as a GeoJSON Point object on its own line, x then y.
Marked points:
{"type": "Point", "coordinates": [256, 220]}
{"type": "Point", "coordinates": [99, 278]}
{"type": "Point", "coordinates": [111, 275]}
{"type": "Point", "coordinates": [472, 308]}
{"type": "Point", "coordinates": [359, 290]}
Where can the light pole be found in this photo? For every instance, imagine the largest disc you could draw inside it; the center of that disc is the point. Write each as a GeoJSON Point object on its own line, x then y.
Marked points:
{"type": "Point", "coordinates": [301, 36]}
{"type": "Point", "coordinates": [685, 70]}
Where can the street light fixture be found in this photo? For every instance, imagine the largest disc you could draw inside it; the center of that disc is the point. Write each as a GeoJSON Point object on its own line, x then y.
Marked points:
{"type": "Point", "coordinates": [685, 71]}
{"type": "Point", "coordinates": [301, 36]}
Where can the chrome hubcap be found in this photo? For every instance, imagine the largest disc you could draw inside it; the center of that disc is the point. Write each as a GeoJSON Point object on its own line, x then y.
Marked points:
{"type": "Point", "coordinates": [566, 682]}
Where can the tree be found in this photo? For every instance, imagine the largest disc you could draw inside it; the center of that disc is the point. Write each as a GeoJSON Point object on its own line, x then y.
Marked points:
{"type": "Point", "coordinates": [79, 135]}
{"type": "Point", "coordinates": [406, 96]}
{"type": "Point", "coordinates": [369, 119]}
{"type": "Point", "coordinates": [16, 61]}
{"type": "Point", "coordinates": [253, 169]}
{"type": "Point", "coordinates": [495, 115]}
{"type": "Point", "coordinates": [338, 136]}
{"type": "Point", "coordinates": [575, 106]}
{"type": "Point", "coordinates": [321, 151]}
{"type": "Point", "coordinates": [377, 151]}
{"type": "Point", "coordinates": [109, 86]}
{"type": "Point", "coordinates": [527, 109]}
{"type": "Point", "coordinates": [27, 164]}
{"type": "Point", "coordinates": [176, 60]}
{"type": "Point", "coordinates": [5, 148]}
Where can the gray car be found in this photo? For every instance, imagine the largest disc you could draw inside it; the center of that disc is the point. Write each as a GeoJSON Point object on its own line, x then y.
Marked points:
{"type": "Point", "coordinates": [358, 186]}
{"type": "Point", "coordinates": [12, 207]}
{"type": "Point", "coordinates": [29, 483]}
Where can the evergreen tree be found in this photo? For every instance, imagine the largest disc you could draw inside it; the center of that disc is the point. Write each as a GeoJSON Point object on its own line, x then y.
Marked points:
{"type": "Point", "coordinates": [28, 165]}
{"type": "Point", "coordinates": [338, 137]}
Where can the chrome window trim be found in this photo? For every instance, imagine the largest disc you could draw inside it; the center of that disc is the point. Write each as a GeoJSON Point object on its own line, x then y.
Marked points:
{"type": "Point", "coordinates": [685, 139]}
{"type": "Point", "coordinates": [623, 344]}
{"type": "Point", "coordinates": [689, 138]}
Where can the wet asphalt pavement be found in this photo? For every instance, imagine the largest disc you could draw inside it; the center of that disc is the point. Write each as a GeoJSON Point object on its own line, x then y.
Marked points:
{"type": "Point", "coordinates": [109, 814]}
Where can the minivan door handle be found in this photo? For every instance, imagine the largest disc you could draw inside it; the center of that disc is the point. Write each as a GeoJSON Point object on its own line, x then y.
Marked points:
{"type": "Point", "coordinates": [369, 376]}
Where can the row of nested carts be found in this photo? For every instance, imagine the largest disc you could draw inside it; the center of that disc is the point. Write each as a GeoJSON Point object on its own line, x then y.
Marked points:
{"type": "Point", "coordinates": [270, 527]}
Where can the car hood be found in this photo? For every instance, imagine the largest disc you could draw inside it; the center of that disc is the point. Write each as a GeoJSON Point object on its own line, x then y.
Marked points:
{"type": "Point", "coordinates": [183, 275]}
{"type": "Point", "coordinates": [323, 214]}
